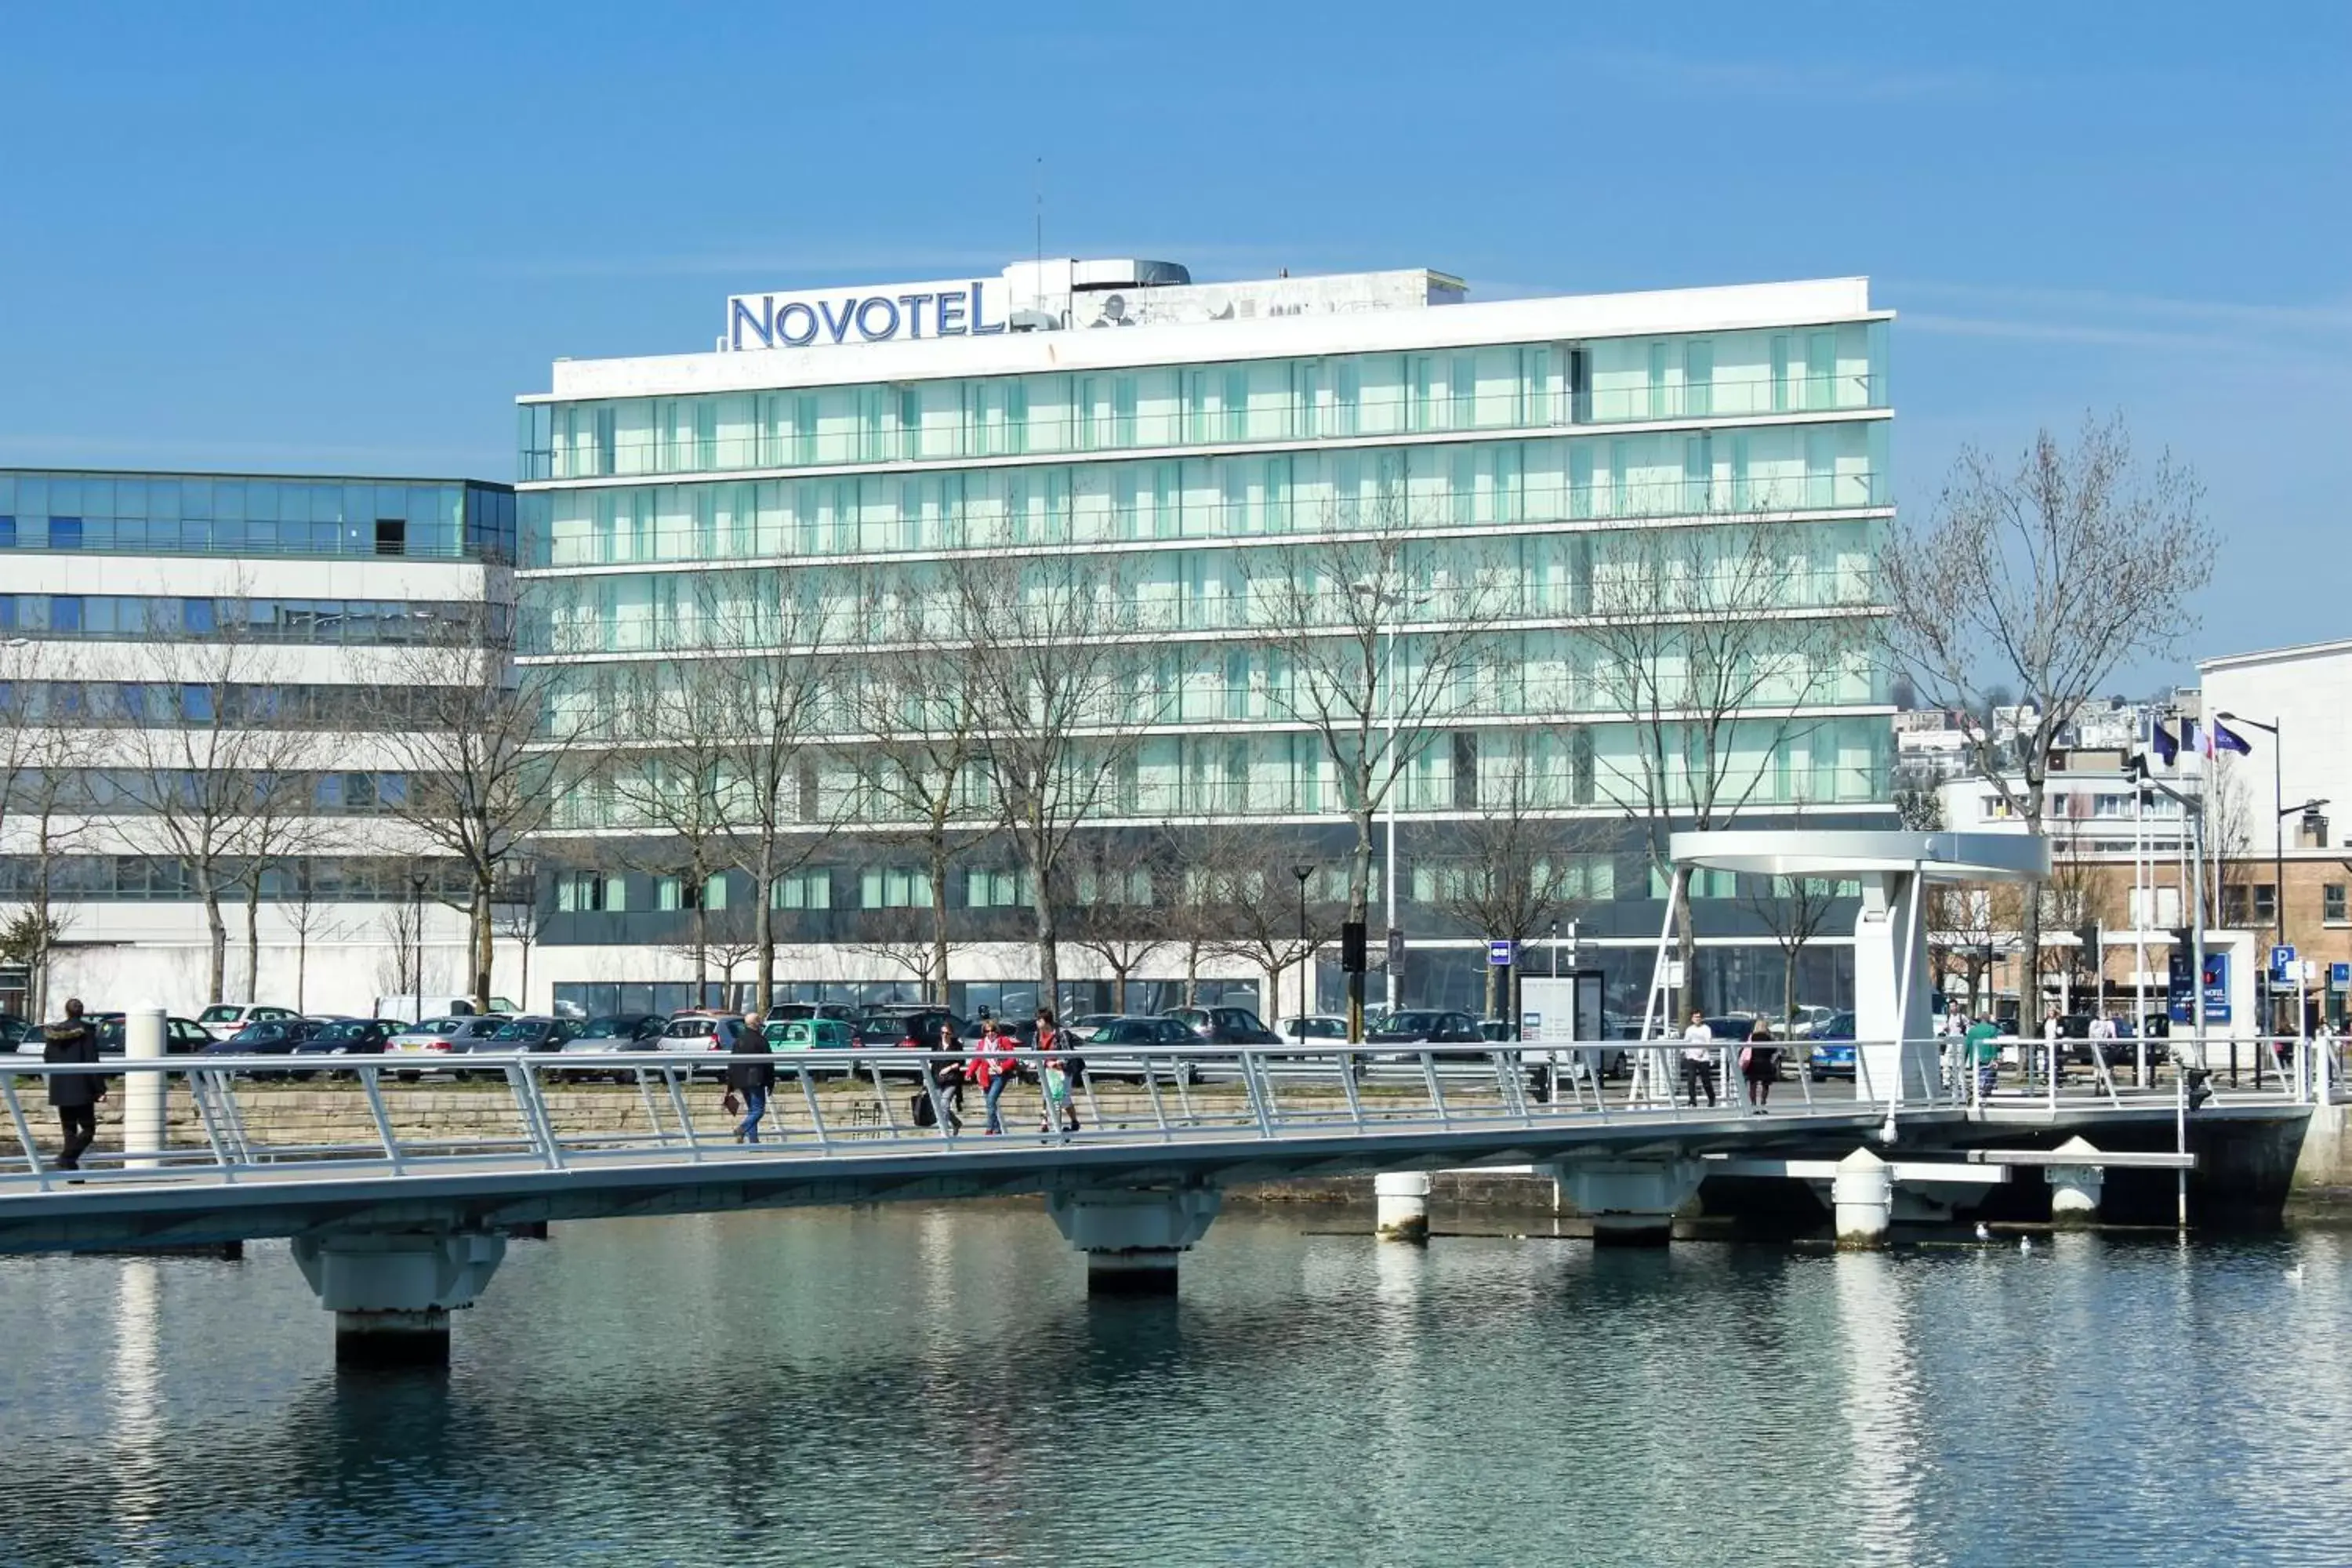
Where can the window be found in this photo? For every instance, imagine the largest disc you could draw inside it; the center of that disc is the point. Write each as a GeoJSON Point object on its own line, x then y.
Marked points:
{"type": "Point", "coordinates": [894, 887]}
{"type": "Point", "coordinates": [2331, 902]}
{"type": "Point", "coordinates": [801, 891]}
{"type": "Point", "coordinates": [65, 533]}
{"type": "Point", "coordinates": [585, 892]}
{"type": "Point", "coordinates": [992, 890]}
{"type": "Point", "coordinates": [7, 533]}
{"type": "Point", "coordinates": [198, 617]}
{"type": "Point", "coordinates": [65, 613]}
{"type": "Point", "coordinates": [2265, 903]}
{"type": "Point", "coordinates": [2234, 906]}
{"type": "Point", "coordinates": [391, 536]}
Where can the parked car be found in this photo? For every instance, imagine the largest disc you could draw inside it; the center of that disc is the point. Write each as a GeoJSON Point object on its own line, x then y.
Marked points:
{"type": "Point", "coordinates": [604, 1041]}
{"type": "Point", "coordinates": [14, 1031]}
{"type": "Point", "coordinates": [702, 1032]}
{"type": "Point", "coordinates": [438, 1007]}
{"type": "Point", "coordinates": [816, 1034]}
{"type": "Point", "coordinates": [534, 1032]}
{"type": "Point", "coordinates": [1114, 1048]}
{"type": "Point", "coordinates": [1807, 1018]}
{"type": "Point", "coordinates": [438, 1039]}
{"type": "Point", "coordinates": [222, 1019]}
{"type": "Point", "coordinates": [841, 1011]}
{"type": "Point", "coordinates": [1494, 1029]}
{"type": "Point", "coordinates": [918, 1026]}
{"type": "Point", "coordinates": [1224, 1026]}
{"type": "Point", "coordinates": [1832, 1055]}
{"type": "Point", "coordinates": [182, 1036]}
{"type": "Point", "coordinates": [265, 1037]}
{"type": "Point", "coordinates": [1426, 1026]}
{"type": "Point", "coordinates": [1309, 1029]}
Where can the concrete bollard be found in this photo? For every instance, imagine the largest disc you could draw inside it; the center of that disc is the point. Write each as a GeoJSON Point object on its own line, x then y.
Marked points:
{"type": "Point", "coordinates": [142, 1093]}
{"type": "Point", "coordinates": [1402, 1198]}
{"type": "Point", "coordinates": [1863, 1193]}
{"type": "Point", "coordinates": [2075, 1190]}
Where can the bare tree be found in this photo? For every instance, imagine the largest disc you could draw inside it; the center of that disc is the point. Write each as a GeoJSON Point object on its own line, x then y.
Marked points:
{"type": "Point", "coordinates": [914, 957]}
{"type": "Point", "coordinates": [520, 917]}
{"type": "Point", "coordinates": [1795, 909]}
{"type": "Point", "coordinates": [920, 717]}
{"type": "Point", "coordinates": [196, 757]}
{"type": "Point", "coordinates": [1698, 644]}
{"type": "Point", "coordinates": [1513, 870]}
{"type": "Point", "coordinates": [2044, 578]}
{"type": "Point", "coordinates": [1113, 912]}
{"type": "Point", "coordinates": [1058, 708]}
{"type": "Point", "coordinates": [400, 971]}
{"type": "Point", "coordinates": [484, 751]}
{"type": "Point", "coordinates": [1257, 901]}
{"type": "Point", "coordinates": [306, 909]}
{"type": "Point", "coordinates": [280, 824]}
{"type": "Point", "coordinates": [1375, 645]}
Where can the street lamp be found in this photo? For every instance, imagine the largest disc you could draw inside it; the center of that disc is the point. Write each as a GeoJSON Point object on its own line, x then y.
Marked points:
{"type": "Point", "coordinates": [1380, 598]}
{"type": "Point", "coordinates": [416, 937]}
{"type": "Point", "coordinates": [1306, 957]}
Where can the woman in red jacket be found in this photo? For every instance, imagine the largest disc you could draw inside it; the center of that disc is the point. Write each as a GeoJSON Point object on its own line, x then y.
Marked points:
{"type": "Point", "coordinates": [992, 1066]}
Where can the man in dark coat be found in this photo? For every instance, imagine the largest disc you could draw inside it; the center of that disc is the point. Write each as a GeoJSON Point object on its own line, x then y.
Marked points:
{"type": "Point", "coordinates": [76, 1095]}
{"type": "Point", "coordinates": [752, 1080]}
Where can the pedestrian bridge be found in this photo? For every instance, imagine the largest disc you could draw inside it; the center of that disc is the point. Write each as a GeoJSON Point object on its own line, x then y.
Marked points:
{"type": "Point", "coordinates": [398, 1186]}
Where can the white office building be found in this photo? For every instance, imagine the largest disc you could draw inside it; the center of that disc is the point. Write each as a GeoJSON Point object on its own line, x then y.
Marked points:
{"type": "Point", "coordinates": [839, 453]}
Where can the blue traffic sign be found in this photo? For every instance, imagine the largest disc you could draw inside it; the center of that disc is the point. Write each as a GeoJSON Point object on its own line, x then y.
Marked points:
{"type": "Point", "coordinates": [2281, 961]}
{"type": "Point", "coordinates": [2340, 976]}
{"type": "Point", "coordinates": [1499, 953]}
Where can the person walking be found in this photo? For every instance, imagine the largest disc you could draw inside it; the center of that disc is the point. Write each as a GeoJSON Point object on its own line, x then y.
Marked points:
{"type": "Point", "coordinates": [75, 1095]}
{"type": "Point", "coordinates": [992, 1067]}
{"type": "Point", "coordinates": [1759, 1064]}
{"type": "Point", "coordinates": [1984, 1053]}
{"type": "Point", "coordinates": [1698, 1059]}
{"type": "Point", "coordinates": [941, 1100]}
{"type": "Point", "coordinates": [1057, 1077]}
{"type": "Point", "coordinates": [751, 1078]}
{"type": "Point", "coordinates": [2051, 1032]}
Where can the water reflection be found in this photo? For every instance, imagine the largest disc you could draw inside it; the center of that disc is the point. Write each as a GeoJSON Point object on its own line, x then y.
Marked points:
{"type": "Point", "coordinates": [903, 1385]}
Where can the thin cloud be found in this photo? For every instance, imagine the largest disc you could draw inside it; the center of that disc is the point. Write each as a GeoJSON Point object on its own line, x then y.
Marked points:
{"type": "Point", "coordinates": [2217, 345]}
{"type": "Point", "coordinates": [779, 261]}
{"type": "Point", "coordinates": [1811, 80]}
{"type": "Point", "coordinates": [2153, 310]}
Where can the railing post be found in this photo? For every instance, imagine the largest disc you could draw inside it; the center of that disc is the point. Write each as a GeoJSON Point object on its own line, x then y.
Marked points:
{"type": "Point", "coordinates": [1258, 1094]}
{"type": "Point", "coordinates": [1436, 1090]}
{"type": "Point", "coordinates": [677, 1103]}
{"type": "Point", "coordinates": [816, 1115]}
{"type": "Point", "coordinates": [1152, 1090]}
{"type": "Point", "coordinates": [371, 1086]}
{"type": "Point", "coordinates": [33, 1162]}
{"type": "Point", "coordinates": [1346, 1059]}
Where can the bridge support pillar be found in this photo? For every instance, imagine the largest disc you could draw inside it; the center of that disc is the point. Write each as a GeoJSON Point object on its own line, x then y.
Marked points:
{"type": "Point", "coordinates": [1630, 1203]}
{"type": "Point", "coordinates": [1133, 1236]}
{"type": "Point", "coordinates": [1402, 1198]}
{"type": "Point", "coordinates": [2076, 1190]}
{"type": "Point", "coordinates": [392, 1291]}
{"type": "Point", "coordinates": [1862, 1192]}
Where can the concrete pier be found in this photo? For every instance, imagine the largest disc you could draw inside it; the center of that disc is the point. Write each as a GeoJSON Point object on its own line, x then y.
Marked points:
{"type": "Point", "coordinates": [392, 1291]}
{"type": "Point", "coordinates": [1402, 1199]}
{"type": "Point", "coordinates": [1862, 1192]}
{"type": "Point", "coordinates": [2075, 1190]}
{"type": "Point", "coordinates": [1133, 1236]}
{"type": "Point", "coordinates": [1630, 1203]}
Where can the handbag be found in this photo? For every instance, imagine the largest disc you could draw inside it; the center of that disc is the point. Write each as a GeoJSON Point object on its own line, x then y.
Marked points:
{"type": "Point", "coordinates": [731, 1104]}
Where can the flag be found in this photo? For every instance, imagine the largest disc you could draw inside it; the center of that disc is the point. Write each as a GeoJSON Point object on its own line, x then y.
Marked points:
{"type": "Point", "coordinates": [2166, 746]}
{"type": "Point", "coordinates": [2224, 739]}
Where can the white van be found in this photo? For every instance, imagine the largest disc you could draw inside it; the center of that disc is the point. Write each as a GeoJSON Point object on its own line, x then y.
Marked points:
{"type": "Point", "coordinates": [416, 1009]}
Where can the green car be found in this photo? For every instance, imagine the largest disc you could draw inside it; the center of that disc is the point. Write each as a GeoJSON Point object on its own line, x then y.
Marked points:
{"type": "Point", "coordinates": [811, 1035]}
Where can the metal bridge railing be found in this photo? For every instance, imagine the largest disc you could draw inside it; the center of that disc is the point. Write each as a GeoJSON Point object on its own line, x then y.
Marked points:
{"type": "Point", "coordinates": [235, 1120]}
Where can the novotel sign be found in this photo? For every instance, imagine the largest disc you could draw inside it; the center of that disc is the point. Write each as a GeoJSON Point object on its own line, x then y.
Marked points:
{"type": "Point", "coordinates": [957, 308]}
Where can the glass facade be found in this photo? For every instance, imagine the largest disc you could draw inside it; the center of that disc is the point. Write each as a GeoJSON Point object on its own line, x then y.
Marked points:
{"type": "Point", "coordinates": [254, 515]}
{"type": "Point", "coordinates": [1757, 448]}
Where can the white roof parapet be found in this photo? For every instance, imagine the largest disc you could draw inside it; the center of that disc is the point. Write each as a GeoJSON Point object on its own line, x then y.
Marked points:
{"type": "Point", "coordinates": [1811, 852]}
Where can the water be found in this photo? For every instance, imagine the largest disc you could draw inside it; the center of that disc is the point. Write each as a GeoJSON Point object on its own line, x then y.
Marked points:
{"type": "Point", "coordinates": [914, 1385]}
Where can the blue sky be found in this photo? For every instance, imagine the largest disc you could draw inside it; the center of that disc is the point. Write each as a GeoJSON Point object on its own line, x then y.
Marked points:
{"type": "Point", "coordinates": [289, 237]}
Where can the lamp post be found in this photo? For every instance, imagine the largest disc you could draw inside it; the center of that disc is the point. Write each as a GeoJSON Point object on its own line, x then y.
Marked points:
{"type": "Point", "coordinates": [2281, 811]}
{"type": "Point", "coordinates": [1306, 957]}
{"type": "Point", "coordinates": [416, 937]}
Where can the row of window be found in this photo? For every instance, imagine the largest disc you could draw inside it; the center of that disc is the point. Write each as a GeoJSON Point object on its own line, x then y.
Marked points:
{"type": "Point", "coordinates": [1757, 761]}
{"type": "Point", "coordinates": [1703, 572]}
{"type": "Point", "coordinates": [1543, 674]}
{"type": "Point", "coordinates": [231, 705]}
{"type": "Point", "coordinates": [1517, 386]}
{"type": "Point", "coordinates": [1826, 467]}
{"type": "Point", "coordinates": [219, 792]}
{"type": "Point", "coordinates": [1432, 880]}
{"type": "Point", "coordinates": [341, 621]}
{"type": "Point", "coordinates": [315, 878]}
{"type": "Point", "coordinates": [157, 514]}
